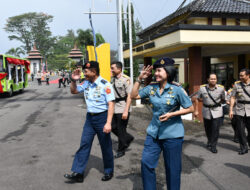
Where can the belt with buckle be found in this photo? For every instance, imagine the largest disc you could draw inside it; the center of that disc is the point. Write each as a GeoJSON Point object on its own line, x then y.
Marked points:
{"type": "Point", "coordinates": [92, 114]}
{"type": "Point", "coordinates": [243, 102]}
{"type": "Point", "coordinates": [212, 106]}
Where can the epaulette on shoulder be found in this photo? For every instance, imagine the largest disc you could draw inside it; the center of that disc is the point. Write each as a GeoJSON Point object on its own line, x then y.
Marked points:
{"type": "Point", "coordinates": [126, 76]}
{"type": "Point", "coordinates": [230, 90]}
{"type": "Point", "coordinates": [103, 81]}
{"type": "Point", "coordinates": [203, 85]}
{"type": "Point", "coordinates": [219, 85]}
{"type": "Point", "coordinates": [237, 82]}
{"type": "Point", "coordinates": [175, 83]}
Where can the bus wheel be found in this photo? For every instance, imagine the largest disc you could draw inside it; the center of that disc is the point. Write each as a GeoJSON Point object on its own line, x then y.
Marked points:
{"type": "Point", "coordinates": [10, 93]}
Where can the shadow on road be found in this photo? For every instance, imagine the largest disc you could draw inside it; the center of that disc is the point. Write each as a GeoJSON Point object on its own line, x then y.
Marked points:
{"type": "Point", "coordinates": [243, 169]}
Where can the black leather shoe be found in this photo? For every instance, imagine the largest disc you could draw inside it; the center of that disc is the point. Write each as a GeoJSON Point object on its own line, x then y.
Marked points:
{"type": "Point", "coordinates": [209, 146]}
{"type": "Point", "coordinates": [236, 140]}
{"type": "Point", "coordinates": [107, 177]}
{"type": "Point", "coordinates": [214, 150]}
{"type": "Point", "coordinates": [120, 154]}
{"type": "Point", "coordinates": [74, 177]}
{"type": "Point", "coordinates": [243, 152]}
{"type": "Point", "coordinates": [131, 140]}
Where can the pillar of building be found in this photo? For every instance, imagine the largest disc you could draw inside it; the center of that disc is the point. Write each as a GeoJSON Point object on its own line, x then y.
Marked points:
{"type": "Point", "coordinates": [206, 68]}
{"type": "Point", "coordinates": [185, 70]}
{"type": "Point", "coordinates": [195, 72]}
{"type": "Point", "coordinates": [147, 61]}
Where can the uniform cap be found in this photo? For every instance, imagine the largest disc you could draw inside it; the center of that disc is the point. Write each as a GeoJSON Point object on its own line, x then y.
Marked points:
{"type": "Point", "coordinates": [168, 64]}
{"type": "Point", "coordinates": [162, 62]}
{"type": "Point", "coordinates": [91, 64]}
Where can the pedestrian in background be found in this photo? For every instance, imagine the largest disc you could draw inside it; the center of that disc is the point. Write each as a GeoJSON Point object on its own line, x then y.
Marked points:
{"type": "Point", "coordinates": [32, 76]}
{"type": "Point", "coordinates": [47, 75]}
{"type": "Point", "coordinates": [122, 88]}
{"type": "Point", "coordinates": [39, 77]}
{"type": "Point", "coordinates": [165, 131]}
{"type": "Point", "coordinates": [212, 95]}
{"type": "Point", "coordinates": [61, 79]}
{"type": "Point", "coordinates": [99, 97]}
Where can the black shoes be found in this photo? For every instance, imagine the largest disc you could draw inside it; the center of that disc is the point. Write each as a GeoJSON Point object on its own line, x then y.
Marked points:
{"type": "Point", "coordinates": [244, 151]}
{"type": "Point", "coordinates": [74, 177]}
{"type": "Point", "coordinates": [107, 177]}
{"type": "Point", "coordinates": [209, 146]}
{"type": "Point", "coordinates": [235, 140]}
{"type": "Point", "coordinates": [214, 150]}
{"type": "Point", "coordinates": [120, 154]}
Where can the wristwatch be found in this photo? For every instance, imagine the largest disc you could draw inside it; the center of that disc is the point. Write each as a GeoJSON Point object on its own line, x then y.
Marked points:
{"type": "Point", "coordinates": [138, 80]}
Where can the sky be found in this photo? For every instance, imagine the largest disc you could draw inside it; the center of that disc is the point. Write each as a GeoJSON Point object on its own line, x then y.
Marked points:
{"type": "Point", "coordinates": [69, 14]}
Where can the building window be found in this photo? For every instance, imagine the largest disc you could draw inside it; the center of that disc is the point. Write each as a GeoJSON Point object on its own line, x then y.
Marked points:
{"type": "Point", "coordinates": [224, 72]}
{"type": "Point", "coordinates": [209, 21]}
{"type": "Point", "coordinates": [237, 22]}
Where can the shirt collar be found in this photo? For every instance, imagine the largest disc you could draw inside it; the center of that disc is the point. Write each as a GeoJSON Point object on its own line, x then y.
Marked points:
{"type": "Point", "coordinates": [97, 81]}
{"type": "Point", "coordinates": [216, 86]}
{"type": "Point", "coordinates": [167, 86]}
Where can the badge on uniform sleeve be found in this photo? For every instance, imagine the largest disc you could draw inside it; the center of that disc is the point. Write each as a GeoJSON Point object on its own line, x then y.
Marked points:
{"type": "Point", "coordinates": [108, 90]}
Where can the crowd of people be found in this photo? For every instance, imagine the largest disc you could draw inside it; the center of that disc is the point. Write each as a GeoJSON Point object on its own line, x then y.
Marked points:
{"type": "Point", "coordinates": [109, 107]}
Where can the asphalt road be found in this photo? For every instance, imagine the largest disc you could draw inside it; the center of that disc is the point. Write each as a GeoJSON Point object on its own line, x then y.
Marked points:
{"type": "Point", "coordinates": [40, 131]}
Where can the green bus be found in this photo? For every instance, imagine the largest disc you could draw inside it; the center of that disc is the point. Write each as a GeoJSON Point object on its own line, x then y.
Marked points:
{"type": "Point", "coordinates": [13, 74]}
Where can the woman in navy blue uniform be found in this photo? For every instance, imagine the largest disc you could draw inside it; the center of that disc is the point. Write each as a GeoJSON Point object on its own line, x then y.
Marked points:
{"type": "Point", "coordinates": [165, 131]}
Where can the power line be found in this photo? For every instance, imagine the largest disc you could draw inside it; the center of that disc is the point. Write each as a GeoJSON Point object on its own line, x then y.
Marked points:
{"type": "Point", "coordinates": [157, 13]}
{"type": "Point", "coordinates": [143, 22]}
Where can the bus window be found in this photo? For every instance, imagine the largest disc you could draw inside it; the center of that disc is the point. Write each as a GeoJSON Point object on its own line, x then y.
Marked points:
{"type": "Point", "coordinates": [13, 74]}
{"type": "Point", "coordinates": [1, 64]}
{"type": "Point", "coordinates": [19, 74]}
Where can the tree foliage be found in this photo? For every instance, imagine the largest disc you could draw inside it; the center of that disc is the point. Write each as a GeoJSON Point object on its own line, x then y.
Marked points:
{"type": "Point", "coordinates": [30, 28]}
{"type": "Point", "coordinates": [17, 52]}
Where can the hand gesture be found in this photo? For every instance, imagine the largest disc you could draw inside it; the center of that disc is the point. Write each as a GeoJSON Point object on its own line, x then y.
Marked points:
{"type": "Point", "coordinates": [196, 113]}
{"type": "Point", "coordinates": [146, 72]}
{"type": "Point", "coordinates": [165, 117]}
{"type": "Point", "coordinates": [125, 115]}
{"type": "Point", "coordinates": [76, 75]}
{"type": "Point", "coordinates": [107, 128]}
{"type": "Point", "coordinates": [231, 115]}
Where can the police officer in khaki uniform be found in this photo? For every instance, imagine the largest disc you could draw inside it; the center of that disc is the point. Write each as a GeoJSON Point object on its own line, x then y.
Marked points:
{"type": "Point", "coordinates": [241, 97]}
{"type": "Point", "coordinates": [122, 88]}
{"type": "Point", "coordinates": [212, 96]}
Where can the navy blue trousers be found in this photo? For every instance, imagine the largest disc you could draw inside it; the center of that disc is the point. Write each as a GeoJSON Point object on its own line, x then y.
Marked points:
{"type": "Point", "coordinates": [94, 125]}
{"type": "Point", "coordinates": [172, 152]}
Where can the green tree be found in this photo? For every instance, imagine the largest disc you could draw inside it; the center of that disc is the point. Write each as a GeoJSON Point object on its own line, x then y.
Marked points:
{"type": "Point", "coordinates": [17, 52]}
{"type": "Point", "coordinates": [30, 28]}
{"type": "Point", "coordinates": [132, 23]}
{"type": "Point", "coordinates": [124, 33]}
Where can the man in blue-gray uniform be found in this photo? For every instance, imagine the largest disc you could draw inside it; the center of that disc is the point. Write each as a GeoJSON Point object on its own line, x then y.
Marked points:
{"type": "Point", "coordinates": [99, 96]}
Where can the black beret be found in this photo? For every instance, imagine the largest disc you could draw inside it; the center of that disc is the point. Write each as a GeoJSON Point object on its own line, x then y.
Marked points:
{"type": "Point", "coordinates": [168, 64]}
{"type": "Point", "coordinates": [91, 64]}
{"type": "Point", "coordinates": [165, 61]}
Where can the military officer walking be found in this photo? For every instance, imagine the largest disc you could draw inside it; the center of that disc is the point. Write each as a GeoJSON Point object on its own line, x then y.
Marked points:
{"type": "Point", "coordinates": [99, 97]}
{"type": "Point", "coordinates": [165, 132]}
{"type": "Point", "coordinates": [122, 88]}
{"type": "Point", "coordinates": [241, 97]}
{"type": "Point", "coordinates": [212, 96]}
